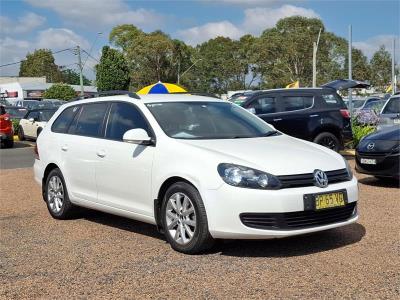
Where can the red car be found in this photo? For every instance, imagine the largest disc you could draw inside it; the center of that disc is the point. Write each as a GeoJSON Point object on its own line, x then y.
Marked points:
{"type": "Point", "coordinates": [6, 129]}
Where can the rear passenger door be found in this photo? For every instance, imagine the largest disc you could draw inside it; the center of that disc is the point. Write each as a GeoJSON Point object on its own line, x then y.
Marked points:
{"type": "Point", "coordinates": [295, 114]}
{"type": "Point", "coordinates": [29, 126]}
{"type": "Point", "coordinates": [79, 150]}
{"type": "Point", "coordinates": [123, 171]}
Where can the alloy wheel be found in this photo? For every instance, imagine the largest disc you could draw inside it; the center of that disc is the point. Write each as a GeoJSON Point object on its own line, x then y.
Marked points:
{"type": "Point", "coordinates": [180, 218]}
{"type": "Point", "coordinates": [328, 142]}
{"type": "Point", "coordinates": [55, 194]}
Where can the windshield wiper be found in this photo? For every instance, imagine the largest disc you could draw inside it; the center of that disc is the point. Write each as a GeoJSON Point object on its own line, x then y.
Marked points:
{"type": "Point", "coordinates": [270, 133]}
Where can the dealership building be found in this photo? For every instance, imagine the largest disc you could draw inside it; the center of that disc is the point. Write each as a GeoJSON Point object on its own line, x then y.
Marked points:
{"type": "Point", "coordinates": [19, 88]}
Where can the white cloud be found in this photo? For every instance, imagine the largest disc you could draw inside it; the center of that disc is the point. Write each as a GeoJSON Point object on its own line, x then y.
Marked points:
{"type": "Point", "coordinates": [255, 21]}
{"type": "Point", "coordinates": [23, 24]}
{"type": "Point", "coordinates": [100, 13]}
{"type": "Point", "coordinates": [60, 38]}
{"type": "Point", "coordinates": [369, 46]}
{"type": "Point", "coordinates": [196, 35]}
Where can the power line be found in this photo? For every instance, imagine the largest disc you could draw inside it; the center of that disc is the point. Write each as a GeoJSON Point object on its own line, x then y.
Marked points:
{"type": "Point", "coordinates": [18, 62]}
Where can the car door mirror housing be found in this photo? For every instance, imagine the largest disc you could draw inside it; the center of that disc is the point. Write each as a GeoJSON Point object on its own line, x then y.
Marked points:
{"type": "Point", "coordinates": [252, 110]}
{"type": "Point", "coordinates": [31, 120]}
{"type": "Point", "coordinates": [137, 136]}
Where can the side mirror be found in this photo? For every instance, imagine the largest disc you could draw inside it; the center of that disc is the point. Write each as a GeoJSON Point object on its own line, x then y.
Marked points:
{"type": "Point", "coordinates": [31, 120]}
{"type": "Point", "coordinates": [137, 136]}
{"type": "Point", "coordinates": [252, 110]}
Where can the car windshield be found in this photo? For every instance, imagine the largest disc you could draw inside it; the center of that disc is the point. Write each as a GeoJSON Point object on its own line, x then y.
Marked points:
{"type": "Point", "coordinates": [16, 112]}
{"type": "Point", "coordinates": [45, 115]}
{"type": "Point", "coordinates": [4, 102]}
{"type": "Point", "coordinates": [392, 107]}
{"type": "Point", "coordinates": [375, 105]}
{"type": "Point", "coordinates": [207, 120]}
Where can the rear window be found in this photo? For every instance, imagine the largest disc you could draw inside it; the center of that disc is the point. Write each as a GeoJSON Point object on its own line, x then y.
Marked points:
{"type": "Point", "coordinates": [291, 103]}
{"type": "Point", "coordinates": [392, 107]}
{"type": "Point", "coordinates": [63, 121]}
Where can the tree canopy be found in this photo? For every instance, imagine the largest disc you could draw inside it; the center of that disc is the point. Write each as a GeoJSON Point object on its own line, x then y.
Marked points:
{"type": "Point", "coordinates": [72, 77]}
{"type": "Point", "coordinates": [40, 63]}
{"type": "Point", "coordinates": [60, 91]}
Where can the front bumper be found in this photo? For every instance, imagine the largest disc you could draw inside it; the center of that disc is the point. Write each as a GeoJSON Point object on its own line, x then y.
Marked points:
{"type": "Point", "coordinates": [225, 205]}
{"type": "Point", "coordinates": [386, 165]}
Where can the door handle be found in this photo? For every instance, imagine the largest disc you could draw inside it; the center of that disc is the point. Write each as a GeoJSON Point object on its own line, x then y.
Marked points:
{"type": "Point", "coordinates": [101, 153]}
{"type": "Point", "coordinates": [279, 119]}
{"type": "Point", "coordinates": [313, 116]}
{"type": "Point", "coordinates": [64, 148]}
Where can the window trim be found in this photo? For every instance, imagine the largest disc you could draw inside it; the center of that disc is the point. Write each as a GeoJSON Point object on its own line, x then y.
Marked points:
{"type": "Point", "coordinates": [280, 103]}
{"type": "Point", "coordinates": [69, 124]}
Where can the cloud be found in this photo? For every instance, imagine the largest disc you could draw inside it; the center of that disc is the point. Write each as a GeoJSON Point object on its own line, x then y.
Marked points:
{"type": "Point", "coordinates": [254, 22]}
{"type": "Point", "coordinates": [14, 50]}
{"type": "Point", "coordinates": [24, 24]}
{"type": "Point", "coordinates": [100, 13]}
{"type": "Point", "coordinates": [371, 45]}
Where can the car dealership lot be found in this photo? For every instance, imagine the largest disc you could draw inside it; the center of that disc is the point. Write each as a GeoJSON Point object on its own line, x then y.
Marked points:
{"type": "Point", "coordinates": [103, 255]}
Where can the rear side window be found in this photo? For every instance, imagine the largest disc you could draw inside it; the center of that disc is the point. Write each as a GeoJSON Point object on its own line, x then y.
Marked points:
{"type": "Point", "coordinates": [264, 105]}
{"type": "Point", "coordinates": [33, 115]}
{"type": "Point", "coordinates": [392, 107]}
{"type": "Point", "coordinates": [63, 121]}
{"type": "Point", "coordinates": [123, 117]}
{"type": "Point", "coordinates": [332, 100]}
{"type": "Point", "coordinates": [291, 103]}
{"type": "Point", "coordinates": [90, 120]}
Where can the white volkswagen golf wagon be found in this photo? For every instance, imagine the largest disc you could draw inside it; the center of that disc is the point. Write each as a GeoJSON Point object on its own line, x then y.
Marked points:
{"type": "Point", "coordinates": [198, 168]}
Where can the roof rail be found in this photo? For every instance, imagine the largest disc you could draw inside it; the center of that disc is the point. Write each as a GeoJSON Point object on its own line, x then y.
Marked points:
{"type": "Point", "coordinates": [118, 92]}
{"type": "Point", "coordinates": [197, 94]}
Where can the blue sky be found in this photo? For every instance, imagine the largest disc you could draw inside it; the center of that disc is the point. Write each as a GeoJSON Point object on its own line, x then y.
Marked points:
{"type": "Point", "coordinates": [29, 24]}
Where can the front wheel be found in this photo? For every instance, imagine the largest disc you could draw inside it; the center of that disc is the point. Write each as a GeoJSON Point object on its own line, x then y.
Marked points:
{"type": "Point", "coordinates": [21, 135]}
{"type": "Point", "coordinates": [328, 140]}
{"type": "Point", "coordinates": [184, 219]}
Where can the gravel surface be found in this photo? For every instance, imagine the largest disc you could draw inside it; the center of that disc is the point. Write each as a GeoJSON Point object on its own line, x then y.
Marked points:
{"type": "Point", "coordinates": [103, 256]}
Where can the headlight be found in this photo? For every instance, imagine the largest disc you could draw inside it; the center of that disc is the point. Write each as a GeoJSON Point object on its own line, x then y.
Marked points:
{"type": "Point", "coordinates": [348, 168]}
{"type": "Point", "coordinates": [247, 178]}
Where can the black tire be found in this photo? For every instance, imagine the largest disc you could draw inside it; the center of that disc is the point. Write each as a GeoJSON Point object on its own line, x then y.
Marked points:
{"type": "Point", "coordinates": [201, 239]}
{"type": "Point", "coordinates": [39, 130]}
{"type": "Point", "coordinates": [9, 143]}
{"type": "Point", "coordinates": [21, 135]}
{"type": "Point", "coordinates": [67, 209]}
{"type": "Point", "coordinates": [328, 140]}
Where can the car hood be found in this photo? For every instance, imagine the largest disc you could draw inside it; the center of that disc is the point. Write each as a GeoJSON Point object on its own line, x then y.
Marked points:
{"type": "Point", "coordinates": [278, 155]}
{"type": "Point", "coordinates": [391, 133]}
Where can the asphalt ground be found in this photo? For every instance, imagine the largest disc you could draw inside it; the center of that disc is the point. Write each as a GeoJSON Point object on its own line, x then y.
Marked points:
{"type": "Point", "coordinates": [99, 256]}
{"type": "Point", "coordinates": [20, 156]}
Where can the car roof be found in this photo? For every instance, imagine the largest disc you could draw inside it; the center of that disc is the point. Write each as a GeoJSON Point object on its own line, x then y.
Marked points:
{"type": "Point", "coordinates": [41, 109]}
{"type": "Point", "coordinates": [151, 98]}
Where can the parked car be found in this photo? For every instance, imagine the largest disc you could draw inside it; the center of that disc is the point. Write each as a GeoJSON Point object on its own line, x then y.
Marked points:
{"type": "Point", "coordinates": [54, 102]}
{"type": "Point", "coordinates": [29, 104]}
{"type": "Point", "coordinates": [390, 114]}
{"type": "Point", "coordinates": [16, 113]}
{"type": "Point", "coordinates": [6, 129]}
{"type": "Point", "coordinates": [197, 167]}
{"type": "Point", "coordinates": [378, 153]}
{"type": "Point", "coordinates": [4, 102]}
{"type": "Point", "coordinates": [33, 123]}
{"type": "Point", "coordinates": [314, 114]}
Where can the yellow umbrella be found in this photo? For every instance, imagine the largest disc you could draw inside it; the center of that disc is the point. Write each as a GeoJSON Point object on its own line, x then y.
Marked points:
{"type": "Point", "coordinates": [161, 88]}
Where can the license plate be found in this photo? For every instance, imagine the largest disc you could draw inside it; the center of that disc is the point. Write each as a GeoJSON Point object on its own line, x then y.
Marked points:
{"type": "Point", "coordinates": [329, 200]}
{"type": "Point", "coordinates": [368, 161]}
{"type": "Point", "coordinates": [396, 121]}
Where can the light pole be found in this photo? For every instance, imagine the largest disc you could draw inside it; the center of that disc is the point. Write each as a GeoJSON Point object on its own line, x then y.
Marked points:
{"type": "Point", "coordinates": [315, 49]}
{"type": "Point", "coordinates": [393, 68]}
{"type": "Point", "coordinates": [179, 66]}
{"type": "Point", "coordinates": [350, 71]}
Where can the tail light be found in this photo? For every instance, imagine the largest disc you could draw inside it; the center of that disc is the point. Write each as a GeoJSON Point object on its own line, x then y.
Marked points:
{"type": "Point", "coordinates": [345, 113]}
{"type": "Point", "coordinates": [36, 150]}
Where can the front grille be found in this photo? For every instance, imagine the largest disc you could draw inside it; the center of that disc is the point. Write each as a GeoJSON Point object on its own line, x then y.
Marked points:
{"type": "Point", "coordinates": [298, 219]}
{"type": "Point", "coordinates": [370, 154]}
{"type": "Point", "coordinates": [300, 180]}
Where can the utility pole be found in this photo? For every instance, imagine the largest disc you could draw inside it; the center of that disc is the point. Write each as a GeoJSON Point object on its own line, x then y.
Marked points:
{"type": "Point", "coordinates": [179, 67]}
{"type": "Point", "coordinates": [350, 71]}
{"type": "Point", "coordinates": [314, 60]}
{"type": "Point", "coordinates": [393, 68]}
{"type": "Point", "coordinates": [80, 66]}
{"type": "Point", "coordinates": [179, 71]}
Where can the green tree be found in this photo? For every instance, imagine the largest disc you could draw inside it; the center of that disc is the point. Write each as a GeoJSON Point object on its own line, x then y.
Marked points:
{"type": "Point", "coordinates": [40, 63]}
{"type": "Point", "coordinates": [381, 63]}
{"type": "Point", "coordinates": [60, 91]}
{"type": "Point", "coordinates": [112, 72]}
{"type": "Point", "coordinates": [72, 77]}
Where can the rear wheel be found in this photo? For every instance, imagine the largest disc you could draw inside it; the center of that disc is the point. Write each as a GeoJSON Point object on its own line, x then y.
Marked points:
{"type": "Point", "coordinates": [328, 140]}
{"type": "Point", "coordinates": [184, 219]}
{"type": "Point", "coordinates": [56, 196]}
{"type": "Point", "coordinates": [38, 131]}
{"type": "Point", "coordinates": [21, 135]}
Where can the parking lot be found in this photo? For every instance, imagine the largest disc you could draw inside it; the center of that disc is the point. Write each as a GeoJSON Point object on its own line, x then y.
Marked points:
{"type": "Point", "coordinates": [99, 255]}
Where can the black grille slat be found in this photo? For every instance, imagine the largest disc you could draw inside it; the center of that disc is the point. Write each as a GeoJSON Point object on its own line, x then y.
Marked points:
{"type": "Point", "coordinates": [298, 219]}
{"type": "Point", "coordinates": [301, 180]}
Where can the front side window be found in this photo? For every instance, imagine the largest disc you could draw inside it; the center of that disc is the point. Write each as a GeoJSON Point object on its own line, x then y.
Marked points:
{"type": "Point", "coordinates": [291, 103]}
{"type": "Point", "coordinates": [123, 117]}
{"type": "Point", "coordinates": [207, 120]}
{"type": "Point", "coordinates": [63, 121]}
{"type": "Point", "coordinates": [90, 120]}
{"type": "Point", "coordinates": [392, 107]}
{"type": "Point", "coordinates": [264, 105]}
{"type": "Point", "coordinates": [33, 115]}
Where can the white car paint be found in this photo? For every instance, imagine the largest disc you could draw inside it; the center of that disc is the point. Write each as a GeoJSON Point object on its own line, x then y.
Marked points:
{"type": "Point", "coordinates": [124, 179]}
{"type": "Point", "coordinates": [31, 127]}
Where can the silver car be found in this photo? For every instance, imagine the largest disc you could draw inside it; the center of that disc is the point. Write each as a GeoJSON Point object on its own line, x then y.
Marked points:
{"type": "Point", "coordinates": [390, 114]}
